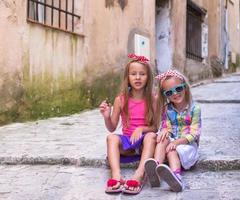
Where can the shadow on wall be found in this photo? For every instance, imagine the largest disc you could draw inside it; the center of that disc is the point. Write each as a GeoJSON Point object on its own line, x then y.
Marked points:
{"type": "Point", "coordinates": [233, 66]}
{"type": "Point", "coordinates": [11, 90]}
{"type": "Point", "coordinates": [39, 102]}
{"type": "Point", "coordinates": [121, 3]}
{"type": "Point", "coordinates": [217, 66]}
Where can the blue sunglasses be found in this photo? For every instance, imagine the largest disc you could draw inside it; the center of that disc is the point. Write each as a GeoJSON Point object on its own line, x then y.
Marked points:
{"type": "Point", "coordinates": [177, 89]}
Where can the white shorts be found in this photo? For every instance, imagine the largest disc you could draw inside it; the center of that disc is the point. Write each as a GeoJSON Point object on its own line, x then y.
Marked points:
{"type": "Point", "coordinates": [188, 154]}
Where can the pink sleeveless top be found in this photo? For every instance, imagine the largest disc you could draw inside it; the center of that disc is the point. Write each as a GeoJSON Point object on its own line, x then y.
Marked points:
{"type": "Point", "coordinates": [136, 111]}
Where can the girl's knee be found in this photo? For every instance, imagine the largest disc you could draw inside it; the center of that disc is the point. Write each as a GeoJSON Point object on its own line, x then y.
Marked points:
{"type": "Point", "coordinates": [162, 145]}
{"type": "Point", "coordinates": [150, 136]}
{"type": "Point", "coordinates": [111, 138]}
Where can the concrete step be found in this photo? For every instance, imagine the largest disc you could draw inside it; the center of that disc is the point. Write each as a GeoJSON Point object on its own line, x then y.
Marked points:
{"type": "Point", "coordinates": [213, 165]}
{"type": "Point", "coordinates": [80, 140]}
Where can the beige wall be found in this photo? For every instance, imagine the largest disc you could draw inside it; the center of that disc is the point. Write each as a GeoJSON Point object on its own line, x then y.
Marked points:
{"type": "Point", "coordinates": [32, 55]}
{"type": "Point", "coordinates": [216, 37]}
{"type": "Point", "coordinates": [213, 20]}
{"type": "Point", "coordinates": [11, 46]}
{"type": "Point", "coordinates": [214, 26]}
{"type": "Point", "coordinates": [215, 10]}
{"type": "Point", "coordinates": [234, 25]}
{"type": "Point", "coordinates": [192, 69]}
{"type": "Point", "coordinates": [178, 30]}
{"type": "Point", "coordinates": [110, 31]}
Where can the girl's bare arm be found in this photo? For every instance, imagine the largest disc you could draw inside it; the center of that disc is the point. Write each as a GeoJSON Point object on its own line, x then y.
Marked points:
{"type": "Point", "coordinates": [111, 122]}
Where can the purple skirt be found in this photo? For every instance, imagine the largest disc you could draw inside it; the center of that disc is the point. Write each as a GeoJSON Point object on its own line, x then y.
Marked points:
{"type": "Point", "coordinates": [127, 145]}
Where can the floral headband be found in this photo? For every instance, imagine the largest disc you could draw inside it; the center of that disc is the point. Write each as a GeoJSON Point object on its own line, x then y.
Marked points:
{"type": "Point", "coordinates": [169, 73]}
{"type": "Point", "coordinates": [142, 59]}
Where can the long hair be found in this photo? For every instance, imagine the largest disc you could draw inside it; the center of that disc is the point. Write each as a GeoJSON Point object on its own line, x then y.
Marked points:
{"type": "Point", "coordinates": [126, 92]}
{"type": "Point", "coordinates": [162, 101]}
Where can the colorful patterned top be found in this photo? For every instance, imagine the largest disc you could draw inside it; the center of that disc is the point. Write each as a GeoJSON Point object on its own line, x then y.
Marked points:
{"type": "Point", "coordinates": [186, 124]}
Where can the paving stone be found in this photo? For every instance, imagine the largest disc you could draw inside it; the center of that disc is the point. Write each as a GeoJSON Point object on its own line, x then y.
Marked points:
{"type": "Point", "coordinates": [43, 182]}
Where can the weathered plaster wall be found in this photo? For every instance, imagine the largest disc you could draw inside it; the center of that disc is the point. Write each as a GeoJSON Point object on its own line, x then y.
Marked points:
{"type": "Point", "coordinates": [33, 60]}
{"type": "Point", "coordinates": [201, 70]}
{"type": "Point", "coordinates": [110, 29]}
{"type": "Point", "coordinates": [11, 35]}
{"type": "Point", "coordinates": [234, 25]}
{"type": "Point", "coordinates": [178, 31]}
{"type": "Point", "coordinates": [214, 26]}
{"type": "Point", "coordinates": [45, 72]}
{"type": "Point", "coordinates": [216, 22]}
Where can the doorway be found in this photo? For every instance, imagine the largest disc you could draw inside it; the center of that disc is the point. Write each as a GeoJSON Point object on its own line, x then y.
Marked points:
{"type": "Point", "coordinates": [163, 36]}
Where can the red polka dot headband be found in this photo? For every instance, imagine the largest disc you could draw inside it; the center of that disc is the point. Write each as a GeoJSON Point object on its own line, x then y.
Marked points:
{"type": "Point", "coordinates": [142, 59]}
{"type": "Point", "coordinates": [169, 73]}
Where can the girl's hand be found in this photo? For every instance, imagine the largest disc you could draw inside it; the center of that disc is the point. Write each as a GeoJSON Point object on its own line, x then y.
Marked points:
{"type": "Point", "coordinates": [137, 133]}
{"type": "Point", "coordinates": [162, 136]}
{"type": "Point", "coordinates": [172, 146]}
{"type": "Point", "coordinates": [105, 109]}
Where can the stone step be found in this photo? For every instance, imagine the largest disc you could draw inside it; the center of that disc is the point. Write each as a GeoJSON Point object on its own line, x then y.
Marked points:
{"type": "Point", "coordinates": [203, 164]}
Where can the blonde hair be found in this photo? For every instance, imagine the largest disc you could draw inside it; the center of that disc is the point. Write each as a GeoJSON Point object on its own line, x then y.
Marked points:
{"type": "Point", "coordinates": [125, 92]}
{"type": "Point", "coordinates": [162, 101]}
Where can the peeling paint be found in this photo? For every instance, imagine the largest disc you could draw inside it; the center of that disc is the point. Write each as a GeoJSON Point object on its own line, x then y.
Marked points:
{"type": "Point", "coordinates": [11, 6]}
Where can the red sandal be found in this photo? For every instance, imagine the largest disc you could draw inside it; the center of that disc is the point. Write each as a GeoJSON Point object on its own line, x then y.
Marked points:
{"type": "Point", "coordinates": [113, 182]}
{"type": "Point", "coordinates": [133, 184]}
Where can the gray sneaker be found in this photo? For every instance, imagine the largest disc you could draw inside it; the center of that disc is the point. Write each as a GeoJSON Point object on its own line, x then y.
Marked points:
{"type": "Point", "coordinates": [173, 180]}
{"type": "Point", "coordinates": [150, 169]}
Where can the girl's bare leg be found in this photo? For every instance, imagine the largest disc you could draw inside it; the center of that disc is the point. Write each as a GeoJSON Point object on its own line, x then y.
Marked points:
{"type": "Point", "coordinates": [174, 161]}
{"type": "Point", "coordinates": [174, 181]}
{"type": "Point", "coordinates": [160, 151]}
{"type": "Point", "coordinates": [149, 144]}
{"type": "Point", "coordinates": [113, 153]}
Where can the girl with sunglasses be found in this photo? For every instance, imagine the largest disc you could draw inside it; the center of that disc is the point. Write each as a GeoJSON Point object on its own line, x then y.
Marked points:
{"type": "Point", "coordinates": [178, 135]}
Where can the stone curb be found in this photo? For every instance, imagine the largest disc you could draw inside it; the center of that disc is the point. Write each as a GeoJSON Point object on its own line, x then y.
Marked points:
{"type": "Point", "coordinates": [25, 160]}
{"type": "Point", "coordinates": [231, 101]}
{"type": "Point", "coordinates": [214, 80]}
{"type": "Point", "coordinates": [204, 164]}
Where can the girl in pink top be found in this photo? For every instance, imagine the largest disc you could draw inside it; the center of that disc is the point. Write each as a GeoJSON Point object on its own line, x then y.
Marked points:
{"type": "Point", "coordinates": [135, 106]}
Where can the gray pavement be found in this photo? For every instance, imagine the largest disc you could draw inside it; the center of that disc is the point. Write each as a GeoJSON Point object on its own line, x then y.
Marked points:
{"type": "Point", "coordinates": [43, 182]}
{"type": "Point", "coordinates": [223, 90]}
{"type": "Point", "coordinates": [64, 158]}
